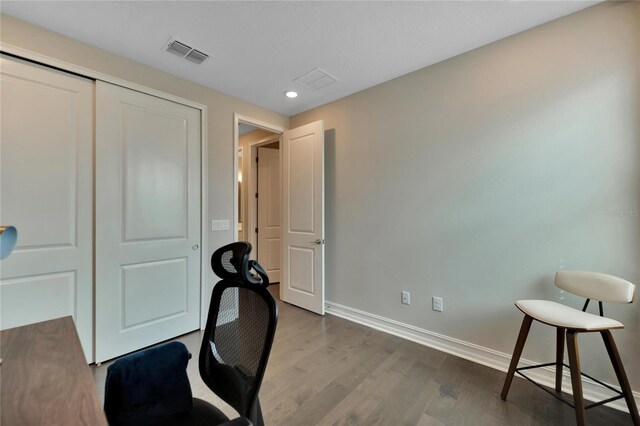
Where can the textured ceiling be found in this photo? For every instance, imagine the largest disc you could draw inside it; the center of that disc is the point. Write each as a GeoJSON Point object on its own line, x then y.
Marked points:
{"type": "Point", "coordinates": [260, 48]}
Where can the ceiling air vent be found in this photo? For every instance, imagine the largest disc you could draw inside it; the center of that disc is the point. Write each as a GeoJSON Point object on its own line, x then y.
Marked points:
{"type": "Point", "coordinates": [196, 56]}
{"type": "Point", "coordinates": [316, 79]}
{"type": "Point", "coordinates": [178, 48]}
{"type": "Point", "coordinates": [185, 51]}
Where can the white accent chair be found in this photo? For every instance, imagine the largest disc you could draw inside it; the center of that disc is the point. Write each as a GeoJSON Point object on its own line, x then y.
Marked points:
{"type": "Point", "coordinates": [570, 322]}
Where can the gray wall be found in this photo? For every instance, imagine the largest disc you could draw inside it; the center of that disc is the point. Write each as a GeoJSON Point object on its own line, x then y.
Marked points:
{"type": "Point", "coordinates": [220, 106]}
{"type": "Point", "coordinates": [477, 178]}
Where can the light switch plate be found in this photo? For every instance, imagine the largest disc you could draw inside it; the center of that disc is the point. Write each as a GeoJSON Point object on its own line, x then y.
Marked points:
{"type": "Point", "coordinates": [438, 304]}
{"type": "Point", "coordinates": [220, 225]}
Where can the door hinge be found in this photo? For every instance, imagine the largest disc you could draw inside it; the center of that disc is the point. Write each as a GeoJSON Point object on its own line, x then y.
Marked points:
{"type": "Point", "coordinates": [257, 159]}
{"type": "Point", "coordinates": [256, 230]}
{"type": "Point", "coordinates": [256, 195]}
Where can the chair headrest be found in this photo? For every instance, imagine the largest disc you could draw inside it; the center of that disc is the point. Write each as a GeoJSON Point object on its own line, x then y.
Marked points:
{"type": "Point", "coordinates": [231, 262]}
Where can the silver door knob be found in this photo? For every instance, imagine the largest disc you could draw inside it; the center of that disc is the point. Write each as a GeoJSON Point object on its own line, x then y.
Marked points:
{"type": "Point", "coordinates": [195, 247]}
{"type": "Point", "coordinates": [318, 241]}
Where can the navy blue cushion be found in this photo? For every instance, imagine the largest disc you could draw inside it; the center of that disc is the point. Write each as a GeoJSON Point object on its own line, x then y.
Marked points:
{"type": "Point", "coordinates": [202, 414]}
{"type": "Point", "coordinates": [148, 385]}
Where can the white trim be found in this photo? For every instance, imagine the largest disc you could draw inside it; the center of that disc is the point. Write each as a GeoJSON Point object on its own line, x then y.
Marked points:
{"type": "Point", "coordinates": [204, 173]}
{"type": "Point", "coordinates": [204, 219]}
{"type": "Point", "coordinates": [237, 119]}
{"type": "Point", "coordinates": [472, 352]}
{"type": "Point", "coordinates": [236, 145]}
{"type": "Point", "coordinates": [252, 176]}
{"type": "Point", "coordinates": [258, 123]}
{"type": "Point", "coordinates": [96, 75]}
{"type": "Point", "coordinates": [242, 208]}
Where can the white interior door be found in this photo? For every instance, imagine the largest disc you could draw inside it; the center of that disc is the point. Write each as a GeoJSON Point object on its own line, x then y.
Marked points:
{"type": "Point", "coordinates": [269, 208]}
{"type": "Point", "coordinates": [302, 282]}
{"type": "Point", "coordinates": [46, 193]}
{"type": "Point", "coordinates": [147, 220]}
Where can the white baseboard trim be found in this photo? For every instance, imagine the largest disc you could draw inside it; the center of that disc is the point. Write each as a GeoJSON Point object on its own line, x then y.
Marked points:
{"type": "Point", "coordinates": [472, 352]}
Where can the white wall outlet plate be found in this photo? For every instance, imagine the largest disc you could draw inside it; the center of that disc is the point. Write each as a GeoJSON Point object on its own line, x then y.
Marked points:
{"type": "Point", "coordinates": [438, 304]}
{"type": "Point", "coordinates": [220, 225]}
{"type": "Point", "coordinates": [406, 298]}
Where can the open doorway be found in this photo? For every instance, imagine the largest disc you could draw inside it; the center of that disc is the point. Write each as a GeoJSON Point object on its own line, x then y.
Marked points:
{"type": "Point", "coordinates": [258, 187]}
{"type": "Point", "coordinates": [298, 210]}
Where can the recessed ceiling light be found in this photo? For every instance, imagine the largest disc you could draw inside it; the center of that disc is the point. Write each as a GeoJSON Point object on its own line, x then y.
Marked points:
{"type": "Point", "coordinates": [291, 94]}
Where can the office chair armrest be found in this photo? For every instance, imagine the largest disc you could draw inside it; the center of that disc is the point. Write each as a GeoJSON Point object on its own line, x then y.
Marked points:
{"type": "Point", "coordinates": [240, 421]}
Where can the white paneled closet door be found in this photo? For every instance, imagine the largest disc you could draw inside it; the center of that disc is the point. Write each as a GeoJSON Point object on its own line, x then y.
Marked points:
{"type": "Point", "coordinates": [147, 220]}
{"type": "Point", "coordinates": [46, 181]}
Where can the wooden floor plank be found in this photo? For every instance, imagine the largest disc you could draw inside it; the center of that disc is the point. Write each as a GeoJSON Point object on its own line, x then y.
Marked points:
{"type": "Point", "coordinates": [314, 409]}
{"type": "Point", "coordinates": [405, 395]}
{"type": "Point", "coordinates": [371, 392]}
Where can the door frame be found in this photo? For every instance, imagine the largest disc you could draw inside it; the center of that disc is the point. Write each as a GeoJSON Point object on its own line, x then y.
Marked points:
{"type": "Point", "coordinates": [242, 209]}
{"type": "Point", "coordinates": [237, 119]}
{"type": "Point", "coordinates": [252, 174]}
{"type": "Point", "coordinates": [39, 58]}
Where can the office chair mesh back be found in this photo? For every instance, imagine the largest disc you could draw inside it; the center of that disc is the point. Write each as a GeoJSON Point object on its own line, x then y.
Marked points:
{"type": "Point", "coordinates": [238, 335]}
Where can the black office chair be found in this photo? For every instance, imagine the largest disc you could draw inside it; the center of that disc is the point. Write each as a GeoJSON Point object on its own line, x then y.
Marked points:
{"type": "Point", "coordinates": [151, 388]}
{"type": "Point", "coordinates": [239, 332]}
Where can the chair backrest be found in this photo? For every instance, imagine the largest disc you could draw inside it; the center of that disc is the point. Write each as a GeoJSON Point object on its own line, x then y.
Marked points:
{"type": "Point", "coordinates": [596, 286]}
{"type": "Point", "coordinates": [239, 332]}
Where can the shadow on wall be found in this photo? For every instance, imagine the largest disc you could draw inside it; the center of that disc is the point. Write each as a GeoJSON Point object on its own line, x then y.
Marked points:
{"type": "Point", "coordinates": [330, 207]}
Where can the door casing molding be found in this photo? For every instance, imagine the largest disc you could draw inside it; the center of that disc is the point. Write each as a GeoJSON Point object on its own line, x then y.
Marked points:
{"type": "Point", "coordinates": [248, 156]}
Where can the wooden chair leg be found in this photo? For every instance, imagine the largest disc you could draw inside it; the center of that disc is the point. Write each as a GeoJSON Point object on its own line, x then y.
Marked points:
{"type": "Point", "coordinates": [621, 375]}
{"type": "Point", "coordinates": [576, 380]}
{"type": "Point", "coordinates": [517, 351]}
{"type": "Point", "coordinates": [560, 334]}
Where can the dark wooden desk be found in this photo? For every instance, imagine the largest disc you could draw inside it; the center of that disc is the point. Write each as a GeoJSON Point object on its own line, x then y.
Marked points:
{"type": "Point", "coordinates": [44, 377]}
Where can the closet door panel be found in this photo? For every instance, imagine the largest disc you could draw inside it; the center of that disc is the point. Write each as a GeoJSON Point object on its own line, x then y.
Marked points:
{"type": "Point", "coordinates": [155, 152]}
{"type": "Point", "coordinates": [147, 220]}
{"type": "Point", "coordinates": [46, 192]}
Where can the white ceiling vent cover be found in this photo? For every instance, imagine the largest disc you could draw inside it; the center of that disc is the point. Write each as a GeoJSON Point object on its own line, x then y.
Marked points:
{"type": "Point", "coordinates": [178, 48]}
{"type": "Point", "coordinates": [196, 56]}
{"type": "Point", "coordinates": [316, 79]}
{"type": "Point", "coordinates": [185, 51]}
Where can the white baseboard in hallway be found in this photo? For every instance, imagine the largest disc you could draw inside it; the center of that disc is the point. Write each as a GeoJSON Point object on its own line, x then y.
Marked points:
{"type": "Point", "coordinates": [472, 352]}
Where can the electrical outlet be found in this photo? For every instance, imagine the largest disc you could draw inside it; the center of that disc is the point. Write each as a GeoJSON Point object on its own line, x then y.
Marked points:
{"type": "Point", "coordinates": [438, 304]}
{"type": "Point", "coordinates": [406, 298]}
